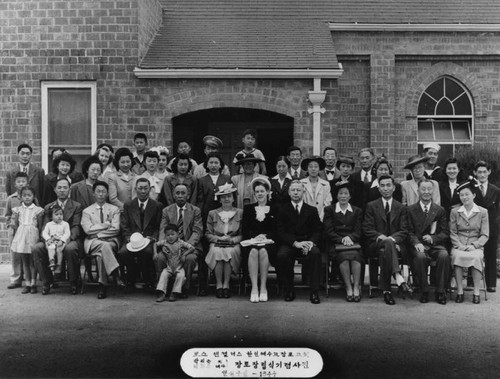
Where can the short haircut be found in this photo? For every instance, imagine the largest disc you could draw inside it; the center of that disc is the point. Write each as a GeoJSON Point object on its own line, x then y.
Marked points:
{"type": "Point", "coordinates": [141, 136]}
{"type": "Point", "coordinates": [64, 157]}
{"type": "Point", "coordinates": [21, 174]}
{"type": "Point", "coordinates": [24, 146]}
{"type": "Point", "coordinates": [424, 180]}
{"type": "Point", "coordinates": [214, 154]}
{"type": "Point", "coordinates": [251, 132]}
{"type": "Point", "coordinates": [28, 188]}
{"type": "Point", "coordinates": [366, 149]}
{"type": "Point", "coordinates": [140, 180]}
{"type": "Point", "coordinates": [284, 159]}
{"type": "Point", "coordinates": [100, 183]}
{"type": "Point", "coordinates": [482, 164]}
{"type": "Point", "coordinates": [151, 154]}
{"type": "Point", "coordinates": [120, 153]}
{"type": "Point", "coordinates": [89, 162]}
{"type": "Point", "coordinates": [63, 179]}
{"type": "Point", "coordinates": [450, 160]}
{"type": "Point", "coordinates": [172, 227]}
{"type": "Point", "coordinates": [329, 148]}
{"type": "Point", "coordinates": [53, 209]}
{"type": "Point", "coordinates": [176, 160]}
{"type": "Point", "coordinates": [385, 177]}
{"type": "Point", "coordinates": [296, 181]}
{"type": "Point", "coordinates": [293, 148]}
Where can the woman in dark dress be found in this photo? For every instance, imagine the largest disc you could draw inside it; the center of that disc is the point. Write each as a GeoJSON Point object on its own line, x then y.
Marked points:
{"type": "Point", "coordinates": [448, 188]}
{"type": "Point", "coordinates": [281, 182]}
{"type": "Point", "coordinates": [259, 223]}
{"type": "Point", "coordinates": [63, 166]}
{"type": "Point", "coordinates": [343, 230]}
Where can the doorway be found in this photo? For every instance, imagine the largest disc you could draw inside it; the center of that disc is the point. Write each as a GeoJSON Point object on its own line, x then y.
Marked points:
{"type": "Point", "coordinates": [274, 132]}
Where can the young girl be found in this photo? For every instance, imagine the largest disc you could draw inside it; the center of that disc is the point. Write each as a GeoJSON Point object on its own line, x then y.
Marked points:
{"type": "Point", "coordinates": [26, 220]}
{"type": "Point", "coordinates": [56, 234]}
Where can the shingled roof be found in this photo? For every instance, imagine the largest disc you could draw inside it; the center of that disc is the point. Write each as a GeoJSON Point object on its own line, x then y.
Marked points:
{"type": "Point", "coordinates": [244, 34]}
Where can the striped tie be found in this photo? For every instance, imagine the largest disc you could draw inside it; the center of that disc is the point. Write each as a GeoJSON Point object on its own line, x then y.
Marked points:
{"type": "Point", "coordinates": [180, 224]}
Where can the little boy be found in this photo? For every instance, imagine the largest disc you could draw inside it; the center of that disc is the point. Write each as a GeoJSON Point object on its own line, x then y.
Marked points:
{"type": "Point", "coordinates": [140, 144]}
{"type": "Point", "coordinates": [175, 250]}
{"type": "Point", "coordinates": [56, 234]}
{"type": "Point", "coordinates": [249, 137]}
{"type": "Point", "coordinates": [13, 201]}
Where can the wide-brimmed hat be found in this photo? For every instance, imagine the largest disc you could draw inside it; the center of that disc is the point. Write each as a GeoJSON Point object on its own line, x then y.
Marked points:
{"type": "Point", "coordinates": [212, 141]}
{"type": "Point", "coordinates": [472, 183]}
{"type": "Point", "coordinates": [261, 179]}
{"type": "Point", "coordinates": [243, 158]}
{"type": "Point", "coordinates": [225, 189]}
{"type": "Point", "coordinates": [137, 242]}
{"type": "Point", "coordinates": [432, 145]}
{"type": "Point", "coordinates": [315, 158]}
{"type": "Point", "coordinates": [415, 160]}
{"type": "Point", "coordinates": [347, 159]}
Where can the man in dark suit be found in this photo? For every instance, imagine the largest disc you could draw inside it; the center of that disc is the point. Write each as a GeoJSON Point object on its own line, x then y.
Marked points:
{"type": "Point", "coordinates": [294, 156]}
{"type": "Point", "coordinates": [140, 215]}
{"type": "Point", "coordinates": [36, 175]}
{"type": "Point", "coordinates": [386, 227]}
{"type": "Point", "coordinates": [187, 217]}
{"type": "Point", "coordinates": [366, 161]}
{"type": "Point", "coordinates": [488, 197]}
{"type": "Point", "coordinates": [428, 233]}
{"type": "Point", "coordinates": [73, 251]}
{"type": "Point", "coordinates": [299, 231]}
{"type": "Point", "coordinates": [331, 171]}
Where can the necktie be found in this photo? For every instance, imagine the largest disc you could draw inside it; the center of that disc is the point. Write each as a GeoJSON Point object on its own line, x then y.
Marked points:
{"type": "Point", "coordinates": [141, 206]}
{"type": "Point", "coordinates": [295, 174]}
{"type": "Point", "coordinates": [25, 170]}
{"type": "Point", "coordinates": [297, 209]}
{"type": "Point", "coordinates": [366, 180]}
{"type": "Point", "coordinates": [180, 224]}
{"type": "Point", "coordinates": [387, 219]}
{"type": "Point", "coordinates": [101, 214]}
{"type": "Point", "coordinates": [426, 210]}
{"type": "Point", "coordinates": [482, 190]}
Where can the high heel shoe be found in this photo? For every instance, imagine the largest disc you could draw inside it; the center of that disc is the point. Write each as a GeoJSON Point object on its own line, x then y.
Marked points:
{"type": "Point", "coordinates": [459, 298]}
{"type": "Point", "coordinates": [254, 297]}
{"type": "Point", "coordinates": [263, 297]}
{"type": "Point", "coordinates": [476, 299]}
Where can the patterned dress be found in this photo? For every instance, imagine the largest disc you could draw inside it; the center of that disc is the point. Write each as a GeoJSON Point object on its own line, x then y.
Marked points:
{"type": "Point", "coordinates": [27, 233]}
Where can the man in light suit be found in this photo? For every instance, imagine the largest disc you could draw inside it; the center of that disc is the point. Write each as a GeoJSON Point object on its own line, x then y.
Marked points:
{"type": "Point", "coordinates": [187, 217]}
{"type": "Point", "coordinates": [428, 233]}
{"type": "Point", "coordinates": [140, 215]}
{"type": "Point", "coordinates": [73, 251]}
{"type": "Point", "coordinates": [386, 227]}
{"type": "Point", "coordinates": [101, 223]}
{"type": "Point", "coordinates": [36, 175]}
{"type": "Point", "coordinates": [299, 235]}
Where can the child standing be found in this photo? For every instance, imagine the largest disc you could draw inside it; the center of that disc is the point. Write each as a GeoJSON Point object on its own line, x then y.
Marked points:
{"type": "Point", "coordinates": [141, 145]}
{"type": "Point", "coordinates": [56, 234]}
{"type": "Point", "coordinates": [175, 250]}
{"type": "Point", "coordinates": [26, 219]}
{"type": "Point", "coordinates": [249, 138]}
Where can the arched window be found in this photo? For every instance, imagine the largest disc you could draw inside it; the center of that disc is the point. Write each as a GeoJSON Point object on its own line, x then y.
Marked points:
{"type": "Point", "coordinates": [445, 116]}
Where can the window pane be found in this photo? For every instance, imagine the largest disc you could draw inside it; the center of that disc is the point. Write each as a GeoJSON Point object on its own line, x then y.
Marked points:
{"type": "Point", "coordinates": [461, 130]}
{"type": "Point", "coordinates": [69, 117]}
{"type": "Point", "coordinates": [444, 108]}
{"type": "Point", "coordinates": [443, 130]}
{"type": "Point", "coordinates": [452, 89]}
{"type": "Point", "coordinates": [462, 105]}
{"type": "Point", "coordinates": [426, 105]}
{"type": "Point", "coordinates": [436, 89]}
{"type": "Point", "coordinates": [425, 131]}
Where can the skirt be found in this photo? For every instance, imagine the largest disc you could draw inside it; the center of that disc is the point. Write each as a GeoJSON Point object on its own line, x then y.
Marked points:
{"type": "Point", "coordinates": [25, 238]}
{"type": "Point", "coordinates": [467, 258]}
{"type": "Point", "coordinates": [230, 254]}
{"type": "Point", "coordinates": [350, 255]}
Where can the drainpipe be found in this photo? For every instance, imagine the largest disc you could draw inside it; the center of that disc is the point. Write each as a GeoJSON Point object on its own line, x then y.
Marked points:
{"type": "Point", "coordinates": [316, 98]}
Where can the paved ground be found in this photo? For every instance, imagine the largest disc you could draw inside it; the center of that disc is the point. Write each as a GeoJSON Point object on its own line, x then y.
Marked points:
{"type": "Point", "coordinates": [128, 335]}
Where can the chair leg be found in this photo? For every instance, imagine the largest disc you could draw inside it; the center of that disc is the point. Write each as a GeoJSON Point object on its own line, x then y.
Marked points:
{"type": "Point", "coordinates": [327, 287]}
{"type": "Point", "coordinates": [484, 281]}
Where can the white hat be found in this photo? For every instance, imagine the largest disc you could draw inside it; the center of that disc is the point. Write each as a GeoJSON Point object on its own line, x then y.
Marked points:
{"type": "Point", "coordinates": [137, 242]}
{"type": "Point", "coordinates": [432, 145]}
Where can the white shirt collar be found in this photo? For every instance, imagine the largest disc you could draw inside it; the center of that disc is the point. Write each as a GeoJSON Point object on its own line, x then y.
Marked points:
{"type": "Point", "coordinates": [339, 210]}
{"type": "Point", "coordinates": [294, 205]}
{"type": "Point", "coordinates": [21, 167]}
{"type": "Point", "coordinates": [384, 201]}
{"type": "Point", "coordinates": [179, 208]}
{"type": "Point", "coordinates": [145, 202]}
{"type": "Point", "coordinates": [475, 209]}
{"type": "Point", "coordinates": [424, 205]}
{"type": "Point", "coordinates": [277, 177]}
{"type": "Point", "coordinates": [364, 174]}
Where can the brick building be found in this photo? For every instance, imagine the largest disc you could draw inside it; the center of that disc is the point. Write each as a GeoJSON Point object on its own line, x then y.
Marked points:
{"type": "Point", "coordinates": [349, 74]}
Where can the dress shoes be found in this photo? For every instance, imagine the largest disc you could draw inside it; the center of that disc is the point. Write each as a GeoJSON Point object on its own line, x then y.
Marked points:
{"type": "Point", "coordinates": [26, 290]}
{"type": "Point", "coordinates": [491, 289]}
{"type": "Point", "coordinates": [356, 299]}
{"type": "Point", "coordinates": [120, 284]}
{"type": "Point", "coordinates": [202, 292]}
{"type": "Point", "coordinates": [404, 289]}
{"type": "Point", "coordinates": [476, 299]}
{"type": "Point", "coordinates": [172, 297]}
{"type": "Point", "coordinates": [459, 298]}
{"type": "Point", "coordinates": [289, 296]}
{"type": "Point", "coordinates": [45, 290]}
{"type": "Point", "coordinates": [226, 293]}
{"type": "Point", "coordinates": [101, 294]}
{"type": "Point", "coordinates": [263, 297]}
{"type": "Point", "coordinates": [349, 298]}
{"type": "Point", "coordinates": [219, 293]}
{"type": "Point", "coordinates": [161, 297]}
{"type": "Point", "coordinates": [33, 290]}
{"type": "Point", "coordinates": [389, 300]}
{"type": "Point", "coordinates": [441, 298]}
{"type": "Point", "coordinates": [11, 286]}
{"type": "Point", "coordinates": [424, 298]}
{"type": "Point", "coordinates": [254, 297]}
{"type": "Point", "coordinates": [314, 297]}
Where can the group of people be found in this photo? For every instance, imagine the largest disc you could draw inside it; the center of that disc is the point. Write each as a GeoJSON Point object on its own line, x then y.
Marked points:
{"type": "Point", "coordinates": [139, 213]}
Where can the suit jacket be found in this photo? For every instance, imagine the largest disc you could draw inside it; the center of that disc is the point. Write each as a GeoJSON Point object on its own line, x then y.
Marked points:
{"type": "Point", "coordinates": [72, 214]}
{"type": "Point", "coordinates": [420, 225]}
{"type": "Point", "coordinates": [36, 179]}
{"type": "Point", "coordinates": [472, 231]}
{"type": "Point", "coordinates": [205, 199]}
{"type": "Point", "coordinates": [82, 193]}
{"type": "Point", "coordinates": [322, 174]}
{"type": "Point", "coordinates": [303, 227]}
{"type": "Point", "coordinates": [410, 192]}
{"type": "Point", "coordinates": [357, 176]}
{"type": "Point", "coordinates": [491, 202]}
{"type": "Point", "coordinates": [167, 192]}
{"type": "Point", "coordinates": [50, 182]}
{"type": "Point", "coordinates": [320, 198]}
{"type": "Point", "coordinates": [191, 222]}
{"type": "Point", "coordinates": [447, 199]}
{"type": "Point", "coordinates": [338, 225]}
{"type": "Point", "coordinates": [279, 195]}
{"type": "Point", "coordinates": [375, 223]}
{"type": "Point", "coordinates": [91, 224]}
{"type": "Point", "coordinates": [130, 219]}
{"type": "Point", "coordinates": [216, 227]}
{"type": "Point", "coordinates": [120, 189]}
{"type": "Point", "coordinates": [372, 192]}
{"type": "Point", "coordinates": [239, 183]}
{"type": "Point", "coordinates": [355, 188]}
{"type": "Point", "coordinates": [302, 173]}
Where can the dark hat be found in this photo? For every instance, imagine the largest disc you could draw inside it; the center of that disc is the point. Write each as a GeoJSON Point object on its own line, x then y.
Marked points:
{"type": "Point", "coordinates": [315, 158]}
{"type": "Point", "coordinates": [415, 160]}
{"type": "Point", "coordinates": [243, 158]}
{"type": "Point", "coordinates": [347, 159]}
{"type": "Point", "coordinates": [340, 185]}
{"type": "Point", "coordinates": [472, 183]}
{"type": "Point", "coordinates": [212, 141]}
